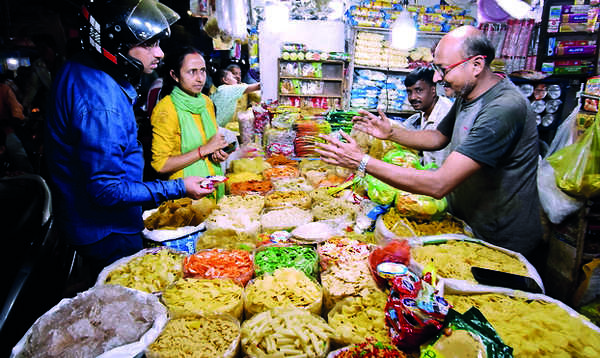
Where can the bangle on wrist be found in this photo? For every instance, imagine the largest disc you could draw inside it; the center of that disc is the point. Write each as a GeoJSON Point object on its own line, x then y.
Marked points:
{"type": "Point", "coordinates": [362, 166]}
{"type": "Point", "coordinates": [200, 154]}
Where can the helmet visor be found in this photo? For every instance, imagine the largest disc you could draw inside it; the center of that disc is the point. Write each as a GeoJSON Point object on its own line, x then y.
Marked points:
{"type": "Point", "coordinates": [149, 18]}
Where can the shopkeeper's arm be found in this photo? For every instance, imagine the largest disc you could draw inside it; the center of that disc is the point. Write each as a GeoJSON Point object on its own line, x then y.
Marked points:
{"type": "Point", "coordinates": [436, 183]}
{"type": "Point", "coordinates": [381, 127]}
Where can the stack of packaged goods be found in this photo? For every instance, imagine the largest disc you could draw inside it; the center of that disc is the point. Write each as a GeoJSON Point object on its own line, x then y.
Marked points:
{"type": "Point", "coordinates": [366, 89]}
{"type": "Point", "coordinates": [369, 50]}
{"type": "Point", "coordinates": [307, 135]}
{"type": "Point", "coordinates": [569, 19]}
{"type": "Point", "coordinates": [393, 97]}
{"type": "Point", "coordinates": [382, 14]}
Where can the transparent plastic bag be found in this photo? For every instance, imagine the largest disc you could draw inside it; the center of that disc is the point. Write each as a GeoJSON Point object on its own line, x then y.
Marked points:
{"type": "Point", "coordinates": [577, 166]}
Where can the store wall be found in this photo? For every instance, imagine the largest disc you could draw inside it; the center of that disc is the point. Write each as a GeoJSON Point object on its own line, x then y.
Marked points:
{"type": "Point", "coordinates": [317, 35]}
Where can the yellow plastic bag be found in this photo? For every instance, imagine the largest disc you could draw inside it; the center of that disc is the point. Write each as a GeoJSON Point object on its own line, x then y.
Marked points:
{"type": "Point", "coordinates": [577, 166]}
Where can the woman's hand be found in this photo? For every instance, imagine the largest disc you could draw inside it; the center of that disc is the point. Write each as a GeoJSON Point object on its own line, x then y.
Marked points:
{"type": "Point", "coordinates": [219, 156]}
{"type": "Point", "coordinates": [347, 155]}
{"type": "Point", "coordinates": [377, 126]}
{"type": "Point", "coordinates": [214, 144]}
{"type": "Point", "coordinates": [193, 189]}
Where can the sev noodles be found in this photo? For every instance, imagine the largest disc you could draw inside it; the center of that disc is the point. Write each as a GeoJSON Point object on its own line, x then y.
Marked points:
{"type": "Point", "coordinates": [455, 258]}
{"type": "Point", "coordinates": [533, 328]}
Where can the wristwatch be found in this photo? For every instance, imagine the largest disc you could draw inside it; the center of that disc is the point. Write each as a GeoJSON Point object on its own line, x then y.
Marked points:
{"type": "Point", "coordinates": [362, 167]}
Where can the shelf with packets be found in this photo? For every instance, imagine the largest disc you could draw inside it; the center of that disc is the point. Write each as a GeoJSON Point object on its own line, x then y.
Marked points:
{"type": "Point", "coordinates": [311, 78]}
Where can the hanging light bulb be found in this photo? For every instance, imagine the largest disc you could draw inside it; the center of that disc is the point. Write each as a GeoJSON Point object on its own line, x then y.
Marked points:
{"type": "Point", "coordinates": [404, 30]}
{"type": "Point", "coordinates": [277, 16]}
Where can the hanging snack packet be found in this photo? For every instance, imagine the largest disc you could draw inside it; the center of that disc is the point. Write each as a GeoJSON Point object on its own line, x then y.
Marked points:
{"type": "Point", "coordinates": [467, 335]}
{"type": "Point", "coordinates": [414, 311]}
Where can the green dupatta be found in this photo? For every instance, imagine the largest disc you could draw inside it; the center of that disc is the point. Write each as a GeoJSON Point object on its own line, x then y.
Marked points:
{"type": "Point", "coordinates": [191, 137]}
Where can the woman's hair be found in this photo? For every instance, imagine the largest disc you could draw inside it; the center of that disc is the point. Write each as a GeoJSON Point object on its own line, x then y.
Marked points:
{"type": "Point", "coordinates": [221, 74]}
{"type": "Point", "coordinates": [173, 62]}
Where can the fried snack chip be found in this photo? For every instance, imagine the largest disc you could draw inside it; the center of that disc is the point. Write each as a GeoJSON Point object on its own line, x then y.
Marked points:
{"type": "Point", "coordinates": [191, 295]}
{"type": "Point", "coordinates": [282, 171]}
{"type": "Point", "coordinates": [173, 214]}
{"type": "Point", "coordinates": [280, 159]}
{"type": "Point", "coordinates": [260, 187]}
{"type": "Point", "coordinates": [281, 199]}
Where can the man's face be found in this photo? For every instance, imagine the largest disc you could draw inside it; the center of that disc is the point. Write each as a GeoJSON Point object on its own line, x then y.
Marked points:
{"type": "Point", "coordinates": [230, 78]}
{"type": "Point", "coordinates": [192, 74]}
{"type": "Point", "coordinates": [457, 75]}
{"type": "Point", "coordinates": [421, 95]}
{"type": "Point", "coordinates": [237, 74]}
{"type": "Point", "coordinates": [149, 54]}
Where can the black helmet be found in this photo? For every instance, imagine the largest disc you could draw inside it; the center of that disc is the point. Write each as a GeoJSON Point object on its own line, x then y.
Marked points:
{"type": "Point", "coordinates": [111, 27]}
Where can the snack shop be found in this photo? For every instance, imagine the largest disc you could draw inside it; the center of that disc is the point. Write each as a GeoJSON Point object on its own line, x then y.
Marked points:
{"type": "Point", "coordinates": [297, 178]}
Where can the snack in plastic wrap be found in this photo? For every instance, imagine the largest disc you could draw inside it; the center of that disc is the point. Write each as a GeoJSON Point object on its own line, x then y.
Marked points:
{"type": "Point", "coordinates": [284, 287]}
{"type": "Point", "coordinates": [454, 259]}
{"type": "Point", "coordinates": [286, 332]}
{"type": "Point", "coordinates": [292, 184]}
{"type": "Point", "coordinates": [226, 239]}
{"type": "Point", "coordinates": [281, 171]}
{"type": "Point", "coordinates": [279, 159]}
{"type": "Point", "coordinates": [239, 177]}
{"type": "Point", "coordinates": [470, 334]}
{"type": "Point", "coordinates": [405, 227]}
{"type": "Point", "coordinates": [524, 324]}
{"type": "Point", "coordinates": [368, 349]}
{"type": "Point", "coordinates": [216, 263]}
{"type": "Point", "coordinates": [380, 192]}
{"type": "Point", "coordinates": [355, 318]}
{"type": "Point", "coordinates": [206, 336]}
{"type": "Point", "coordinates": [320, 195]}
{"type": "Point", "coordinates": [285, 219]}
{"type": "Point", "coordinates": [280, 199]}
{"type": "Point", "coordinates": [192, 295]}
{"type": "Point", "coordinates": [94, 322]}
{"type": "Point", "coordinates": [173, 214]}
{"type": "Point", "coordinates": [151, 271]}
{"type": "Point", "coordinates": [414, 311]}
{"type": "Point", "coordinates": [395, 251]}
{"type": "Point", "coordinates": [346, 279]}
{"type": "Point", "coordinates": [420, 207]}
{"type": "Point", "coordinates": [254, 165]}
{"type": "Point", "coordinates": [271, 258]}
{"type": "Point", "coordinates": [250, 187]}
{"type": "Point", "coordinates": [334, 208]}
{"type": "Point", "coordinates": [254, 203]}
{"type": "Point", "coordinates": [242, 220]}
{"type": "Point", "coordinates": [339, 250]}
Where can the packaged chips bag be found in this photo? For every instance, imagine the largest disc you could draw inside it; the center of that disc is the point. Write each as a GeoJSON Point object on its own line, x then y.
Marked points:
{"type": "Point", "coordinates": [467, 335]}
{"type": "Point", "coordinates": [420, 207]}
{"type": "Point", "coordinates": [414, 311]}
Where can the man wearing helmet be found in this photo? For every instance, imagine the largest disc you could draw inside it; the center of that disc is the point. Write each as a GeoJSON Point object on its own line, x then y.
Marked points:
{"type": "Point", "coordinates": [94, 159]}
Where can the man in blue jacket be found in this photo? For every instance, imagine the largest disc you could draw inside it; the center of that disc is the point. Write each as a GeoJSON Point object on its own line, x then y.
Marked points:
{"type": "Point", "coordinates": [94, 159]}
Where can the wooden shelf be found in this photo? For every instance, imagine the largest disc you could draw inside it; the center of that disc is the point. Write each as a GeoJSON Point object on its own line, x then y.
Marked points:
{"type": "Point", "coordinates": [321, 61]}
{"type": "Point", "coordinates": [387, 30]}
{"type": "Point", "coordinates": [401, 70]}
{"type": "Point", "coordinates": [310, 95]}
{"type": "Point", "coordinates": [311, 78]}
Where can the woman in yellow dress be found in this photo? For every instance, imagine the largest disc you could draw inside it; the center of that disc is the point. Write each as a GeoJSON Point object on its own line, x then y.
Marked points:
{"type": "Point", "coordinates": [185, 134]}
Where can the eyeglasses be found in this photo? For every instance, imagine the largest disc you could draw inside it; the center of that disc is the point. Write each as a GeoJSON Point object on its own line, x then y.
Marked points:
{"type": "Point", "coordinates": [444, 71]}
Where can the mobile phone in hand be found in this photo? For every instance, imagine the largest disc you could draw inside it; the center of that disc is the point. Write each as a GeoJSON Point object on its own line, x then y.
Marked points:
{"type": "Point", "coordinates": [230, 148]}
{"type": "Point", "coordinates": [505, 279]}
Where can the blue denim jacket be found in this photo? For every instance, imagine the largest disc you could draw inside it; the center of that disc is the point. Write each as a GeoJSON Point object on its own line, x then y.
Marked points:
{"type": "Point", "coordinates": [94, 158]}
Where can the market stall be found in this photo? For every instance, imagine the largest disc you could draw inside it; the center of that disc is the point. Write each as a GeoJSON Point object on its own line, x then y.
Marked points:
{"type": "Point", "coordinates": [302, 258]}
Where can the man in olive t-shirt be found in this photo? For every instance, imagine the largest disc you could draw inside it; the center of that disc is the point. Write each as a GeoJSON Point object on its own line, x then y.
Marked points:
{"type": "Point", "coordinates": [500, 200]}
{"type": "Point", "coordinates": [489, 176]}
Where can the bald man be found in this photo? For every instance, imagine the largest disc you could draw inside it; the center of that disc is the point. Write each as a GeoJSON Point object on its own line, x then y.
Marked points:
{"type": "Point", "coordinates": [489, 178]}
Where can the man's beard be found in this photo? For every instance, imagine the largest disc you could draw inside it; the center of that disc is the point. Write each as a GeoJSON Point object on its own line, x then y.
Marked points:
{"type": "Point", "coordinates": [465, 90]}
